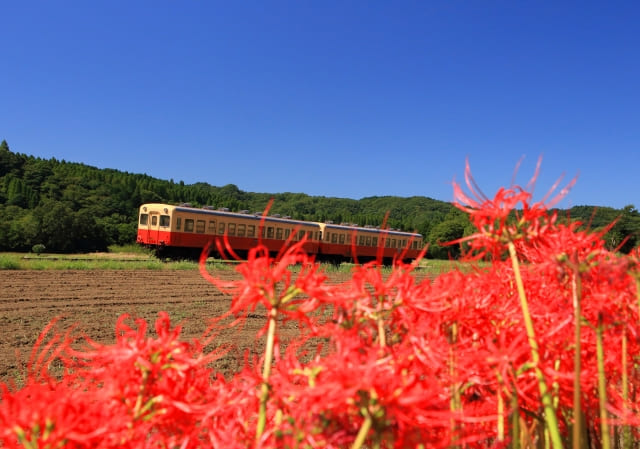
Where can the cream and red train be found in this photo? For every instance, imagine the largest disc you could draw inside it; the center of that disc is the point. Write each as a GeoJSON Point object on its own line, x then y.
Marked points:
{"type": "Point", "coordinates": [183, 231]}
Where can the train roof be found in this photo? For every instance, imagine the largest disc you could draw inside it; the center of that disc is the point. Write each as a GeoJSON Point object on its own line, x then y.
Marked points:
{"type": "Point", "coordinates": [249, 216]}
{"type": "Point", "coordinates": [350, 227]}
{"type": "Point", "coordinates": [270, 218]}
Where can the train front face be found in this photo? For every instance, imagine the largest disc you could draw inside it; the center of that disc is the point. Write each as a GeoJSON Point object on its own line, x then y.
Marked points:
{"type": "Point", "coordinates": [154, 225]}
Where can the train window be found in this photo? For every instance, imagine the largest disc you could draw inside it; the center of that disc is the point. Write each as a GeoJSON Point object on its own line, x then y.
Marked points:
{"type": "Point", "coordinates": [221, 228]}
{"type": "Point", "coordinates": [374, 241]}
{"type": "Point", "coordinates": [319, 236]}
{"type": "Point", "coordinates": [270, 232]}
{"type": "Point", "coordinates": [178, 223]}
{"type": "Point", "coordinates": [387, 243]}
{"type": "Point", "coordinates": [200, 226]}
{"type": "Point", "coordinates": [188, 225]}
{"type": "Point", "coordinates": [361, 240]}
{"type": "Point", "coordinates": [165, 220]}
{"type": "Point", "coordinates": [334, 238]}
{"type": "Point", "coordinates": [251, 231]}
{"type": "Point", "coordinates": [300, 235]}
{"type": "Point", "coordinates": [342, 239]}
{"type": "Point", "coordinates": [154, 220]}
{"type": "Point", "coordinates": [212, 227]}
{"type": "Point", "coordinates": [348, 238]}
{"type": "Point", "coordinates": [242, 229]}
{"type": "Point", "coordinates": [144, 219]}
{"type": "Point", "coordinates": [287, 233]}
{"type": "Point", "coordinates": [393, 243]}
{"type": "Point", "coordinates": [279, 233]}
{"type": "Point", "coordinates": [231, 230]}
{"type": "Point", "coordinates": [368, 240]}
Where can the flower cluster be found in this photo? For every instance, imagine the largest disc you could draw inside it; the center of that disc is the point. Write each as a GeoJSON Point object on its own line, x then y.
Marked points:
{"type": "Point", "coordinates": [480, 356]}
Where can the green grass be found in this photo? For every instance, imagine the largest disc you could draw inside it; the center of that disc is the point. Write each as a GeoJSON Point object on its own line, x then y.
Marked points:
{"type": "Point", "coordinates": [130, 249]}
{"type": "Point", "coordinates": [9, 262]}
{"type": "Point", "coordinates": [118, 258]}
{"type": "Point", "coordinates": [105, 261]}
{"type": "Point", "coordinates": [436, 266]}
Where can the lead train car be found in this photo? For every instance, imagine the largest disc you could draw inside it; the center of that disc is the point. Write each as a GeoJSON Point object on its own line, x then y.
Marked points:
{"type": "Point", "coordinates": [183, 231]}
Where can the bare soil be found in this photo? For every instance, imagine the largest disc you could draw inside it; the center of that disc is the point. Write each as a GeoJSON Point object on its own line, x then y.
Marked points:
{"type": "Point", "coordinates": [92, 300]}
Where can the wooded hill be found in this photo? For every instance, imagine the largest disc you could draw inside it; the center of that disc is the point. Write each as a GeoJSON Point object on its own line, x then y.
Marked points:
{"type": "Point", "coordinates": [71, 207]}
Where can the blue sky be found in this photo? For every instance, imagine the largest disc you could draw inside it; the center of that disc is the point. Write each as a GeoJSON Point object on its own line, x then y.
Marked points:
{"type": "Point", "coordinates": [335, 98]}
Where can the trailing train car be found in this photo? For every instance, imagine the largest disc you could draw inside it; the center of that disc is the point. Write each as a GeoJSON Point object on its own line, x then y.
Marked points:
{"type": "Point", "coordinates": [370, 243]}
{"type": "Point", "coordinates": [183, 231]}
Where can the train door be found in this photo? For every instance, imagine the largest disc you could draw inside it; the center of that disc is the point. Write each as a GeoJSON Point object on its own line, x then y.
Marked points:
{"type": "Point", "coordinates": [154, 227]}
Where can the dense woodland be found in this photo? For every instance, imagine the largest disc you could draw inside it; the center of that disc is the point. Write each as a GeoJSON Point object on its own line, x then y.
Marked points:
{"type": "Point", "coordinates": [73, 207]}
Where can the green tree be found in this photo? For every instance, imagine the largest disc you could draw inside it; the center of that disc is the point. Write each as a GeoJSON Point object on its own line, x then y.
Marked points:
{"type": "Point", "coordinates": [56, 227]}
{"type": "Point", "coordinates": [8, 160]}
{"type": "Point", "coordinates": [18, 228]}
{"type": "Point", "coordinates": [16, 192]}
{"type": "Point", "coordinates": [443, 233]}
{"type": "Point", "coordinates": [625, 233]}
{"type": "Point", "coordinates": [87, 234]}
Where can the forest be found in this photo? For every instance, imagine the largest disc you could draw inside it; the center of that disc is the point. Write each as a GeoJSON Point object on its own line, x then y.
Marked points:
{"type": "Point", "coordinates": [73, 207]}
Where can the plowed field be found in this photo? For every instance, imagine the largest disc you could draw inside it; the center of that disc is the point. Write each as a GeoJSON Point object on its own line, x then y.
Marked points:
{"type": "Point", "coordinates": [93, 300]}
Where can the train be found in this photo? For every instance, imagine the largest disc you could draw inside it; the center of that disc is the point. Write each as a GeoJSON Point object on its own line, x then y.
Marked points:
{"type": "Point", "coordinates": [182, 231]}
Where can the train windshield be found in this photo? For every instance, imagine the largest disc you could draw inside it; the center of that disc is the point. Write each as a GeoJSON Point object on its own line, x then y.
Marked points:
{"type": "Point", "coordinates": [144, 219]}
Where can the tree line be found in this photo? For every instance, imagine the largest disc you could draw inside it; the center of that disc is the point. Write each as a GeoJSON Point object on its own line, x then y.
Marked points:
{"type": "Point", "coordinates": [73, 207]}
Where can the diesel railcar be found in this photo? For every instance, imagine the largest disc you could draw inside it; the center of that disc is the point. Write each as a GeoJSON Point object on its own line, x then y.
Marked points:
{"type": "Point", "coordinates": [183, 231]}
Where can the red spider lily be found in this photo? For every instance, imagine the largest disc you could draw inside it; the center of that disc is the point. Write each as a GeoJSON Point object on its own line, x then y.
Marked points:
{"type": "Point", "coordinates": [373, 303]}
{"type": "Point", "coordinates": [509, 216]}
{"type": "Point", "coordinates": [138, 392]}
{"type": "Point", "coordinates": [291, 283]}
{"type": "Point", "coordinates": [330, 394]}
{"type": "Point", "coordinates": [442, 363]}
{"type": "Point", "coordinates": [42, 415]}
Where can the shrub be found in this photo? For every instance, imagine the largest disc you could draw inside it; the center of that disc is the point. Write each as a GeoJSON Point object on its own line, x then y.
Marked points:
{"type": "Point", "coordinates": [38, 248]}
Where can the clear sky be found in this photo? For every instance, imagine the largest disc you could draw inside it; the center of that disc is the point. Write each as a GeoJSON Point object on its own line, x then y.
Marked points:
{"type": "Point", "coordinates": [334, 98]}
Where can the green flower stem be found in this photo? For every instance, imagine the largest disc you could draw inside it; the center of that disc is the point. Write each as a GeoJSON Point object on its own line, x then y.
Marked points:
{"type": "Point", "coordinates": [289, 295]}
{"type": "Point", "coordinates": [500, 416]}
{"type": "Point", "coordinates": [549, 412]}
{"type": "Point", "coordinates": [381, 333]}
{"type": "Point", "coordinates": [266, 372]}
{"type": "Point", "coordinates": [455, 404]}
{"type": "Point", "coordinates": [626, 430]}
{"type": "Point", "coordinates": [638, 292]}
{"type": "Point", "coordinates": [577, 393]}
{"type": "Point", "coordinates": [515, 422]}
{"type": "Point", "coordinates": [362, 433]}
{"type": "Point", "coordinates": [602, 385]}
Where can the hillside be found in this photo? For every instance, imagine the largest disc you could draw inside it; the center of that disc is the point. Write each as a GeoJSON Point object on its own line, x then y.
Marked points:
{"type": "Point", "coordinates": [71, 207]}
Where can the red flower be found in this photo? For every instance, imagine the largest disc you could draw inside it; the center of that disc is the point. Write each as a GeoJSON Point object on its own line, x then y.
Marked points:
{"type": "Point", "coordinates": [509, 216]}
